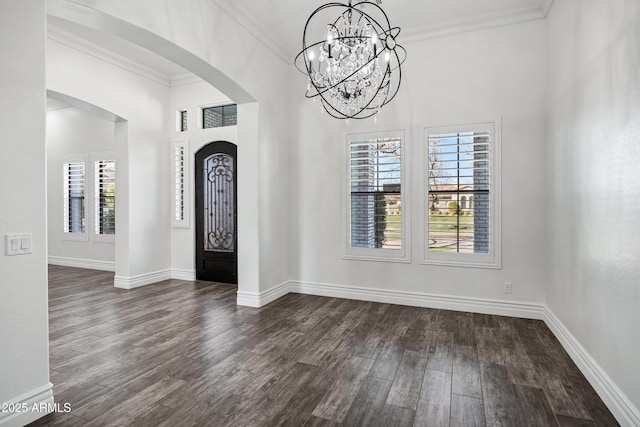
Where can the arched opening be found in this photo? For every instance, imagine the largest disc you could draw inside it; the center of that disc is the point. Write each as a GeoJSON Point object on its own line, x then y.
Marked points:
{"type": "Point", "coordinates": [81, 141]}
{"type": "Point", "coordinates": [139, 266]}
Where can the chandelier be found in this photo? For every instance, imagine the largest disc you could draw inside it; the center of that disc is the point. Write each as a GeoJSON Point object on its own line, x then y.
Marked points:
{"type": "Point", "coordinates": [355, 67]}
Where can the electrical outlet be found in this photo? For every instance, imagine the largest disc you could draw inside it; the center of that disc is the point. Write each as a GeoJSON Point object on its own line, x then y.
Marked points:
{"type": "Point", "coordinates": [508, 287]}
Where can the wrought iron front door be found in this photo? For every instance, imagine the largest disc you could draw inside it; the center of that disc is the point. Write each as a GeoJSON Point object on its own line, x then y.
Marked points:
{"type": "Point", "coordinates": [216, 213]}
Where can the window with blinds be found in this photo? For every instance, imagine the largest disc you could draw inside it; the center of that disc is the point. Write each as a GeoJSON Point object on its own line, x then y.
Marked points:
{"type": "Point", "coordinates": [105, 197]}
{"type": "Point", "coordinates": [73, 189]}
{"type": "Point", "coordinates": [375, 193]}
{"type": "Point", "coordinates": [225, 115]}
{"type": "Point", "coordinates": [178, 180]}
{"type": "Point", "coordinates": [183, 121]}
{"type": "Point", "coordinates": [461, 193]}
{"type": "Point", "coordinates": [180, 172]}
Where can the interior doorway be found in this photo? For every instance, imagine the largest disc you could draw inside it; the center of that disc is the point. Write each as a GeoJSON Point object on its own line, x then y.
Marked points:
{"type": "Point", "coordinates": [82, 182]}
{"type": "Point", "coordinates": [216, 213]}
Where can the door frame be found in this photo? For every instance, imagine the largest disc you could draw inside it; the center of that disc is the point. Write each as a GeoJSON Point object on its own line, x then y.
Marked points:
{"type": "Point", "coordinates": [202, 153]}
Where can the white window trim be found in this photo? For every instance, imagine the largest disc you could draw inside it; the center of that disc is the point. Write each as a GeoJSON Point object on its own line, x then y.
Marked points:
{"type": "Point", "coordinates": [78, 237]}
{"type": "Point", "coordinates": [492, 260]}
{"type": "Point", "coordinates": [378, 254]}
{"type": "Point", "coordinates": [179, 120]}
{"type": "Point", "coordinates": [101, 238]}
{"type": "Point", "coordinates": [184, 223]}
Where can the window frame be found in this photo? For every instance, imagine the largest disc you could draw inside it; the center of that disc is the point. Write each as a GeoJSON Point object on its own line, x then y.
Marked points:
{"type": "Point", "coordinates": [84, 236]}
{"type": "Point", "coordinates": [401, 255]}
{"type": "Point", "coordinates": [186, 180]}
{"type": "Point", "coordinates": [217, 105]}
{"type": "Point", "coordinates": [96, 237]}
{"type": "Point", "coordinates": [182, 125]}
{"type": "Point", "coordinates": [493, 259]}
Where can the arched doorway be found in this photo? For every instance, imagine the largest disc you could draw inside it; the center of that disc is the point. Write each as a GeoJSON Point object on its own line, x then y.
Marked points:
{"type": "Point", "coordinates": [216, 213]}
{"type": "Point", "coordinates": [229, 75]}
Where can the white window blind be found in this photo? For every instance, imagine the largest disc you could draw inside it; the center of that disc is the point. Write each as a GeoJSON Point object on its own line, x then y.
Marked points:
{"type": "Point", "coordinates": [462, 195]}
{"type": "Point", "coordinates": [73, 189]}
{"type": "Point", "coordinates": [180, 183]}
{"type": "Point", "coordinates": [375, 183]}
{"type": "Point", "coordinates": [183, 121]}
{"type": "Point", "coordinates": [105, 190]}
{"type": "Point", "coordinates": [178, 176]}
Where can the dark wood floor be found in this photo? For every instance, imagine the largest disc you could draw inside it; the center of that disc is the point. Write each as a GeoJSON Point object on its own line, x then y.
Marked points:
{"type": "Point", "coordinates": [182, 353]}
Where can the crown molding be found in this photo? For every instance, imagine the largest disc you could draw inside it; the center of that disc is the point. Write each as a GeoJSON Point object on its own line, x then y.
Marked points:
{"type": "Point", "coordinates": [536, 11]}
{"type": "Point", "coordinates": [78, 43]}
{"type": "Point", "coordinates": [184, 79]}
{"type": "Point", "coordinates": [481, 22]}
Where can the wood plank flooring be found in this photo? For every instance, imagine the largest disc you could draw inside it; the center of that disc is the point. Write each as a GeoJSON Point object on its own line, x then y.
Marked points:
{"type": "Point", "coordinates": [183, 354]}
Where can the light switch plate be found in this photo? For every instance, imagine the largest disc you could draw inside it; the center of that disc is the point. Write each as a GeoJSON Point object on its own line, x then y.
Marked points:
{"type": "Point", "coordinates": [18, 244]}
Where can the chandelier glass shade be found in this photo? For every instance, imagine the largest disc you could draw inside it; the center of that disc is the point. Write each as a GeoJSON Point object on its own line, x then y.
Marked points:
{"type": "Point", "coordinates": [355, 67]}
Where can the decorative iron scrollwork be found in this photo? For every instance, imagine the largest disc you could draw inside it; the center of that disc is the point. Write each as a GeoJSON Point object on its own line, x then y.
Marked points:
{"type": "Point", "coordinates": [219, 220]}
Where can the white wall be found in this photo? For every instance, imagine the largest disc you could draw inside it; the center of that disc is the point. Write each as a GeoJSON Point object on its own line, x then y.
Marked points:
{"type": "Point", "coordinates": [24, 367]}
{"type": "Point", "coordinates": [465, 77]}
{"type": "Point", "coordinates": [141, 151]}
{"type": "Point", "coordinates": [594, 188]}
{"type": "Point", "coordinates": [192, 97]}
{"type": "Point", "coordinates": [75, 134]}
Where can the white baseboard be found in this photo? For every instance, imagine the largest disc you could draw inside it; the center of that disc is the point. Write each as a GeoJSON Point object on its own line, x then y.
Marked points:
{"type": "Point", "coordinates": [416, 299]}
{"type": "Point", "coordinates": [174, 273]}
{"type": "Point", "coordinates": [33, 405]}
{"type": "Point", "coordinates": [82, 263]}
{"type": "Point", "coordinates": [618, 403]}
{"type": "Point", "coordinates": [182, 274]}
{"type": "Point", "coordinates": [254, 299]}
{"type": "Point", "coordinates": [141, 279]}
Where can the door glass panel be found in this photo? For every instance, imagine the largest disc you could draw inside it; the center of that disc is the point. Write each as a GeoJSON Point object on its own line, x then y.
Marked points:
{"type": "Point", "coordinates": [219, 220]}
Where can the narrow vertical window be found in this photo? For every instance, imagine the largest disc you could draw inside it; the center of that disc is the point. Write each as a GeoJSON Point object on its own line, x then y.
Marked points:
{"type": "Point", "coordinates": [73, 189]}
{"type": "Point", "coordinates": [375, 182]}
{"type": "Point", "coordinates": [180, 164]}
{"type": "Point", "coordinates": [183, 121]}
{"type": "Point", "coordinates": [105, 197]}
{"type": "Point", "coordinates": [178, 177]}
{"type": "Point", "coordinates": [461, 209]}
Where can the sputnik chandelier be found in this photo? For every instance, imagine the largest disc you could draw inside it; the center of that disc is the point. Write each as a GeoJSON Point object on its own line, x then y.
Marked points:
{"type": "Point", "coordinates": [355, 67]}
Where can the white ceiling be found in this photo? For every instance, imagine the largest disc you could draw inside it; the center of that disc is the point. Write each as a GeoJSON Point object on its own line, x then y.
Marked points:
{"type": "Point", "coordinates": [279, 25]}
